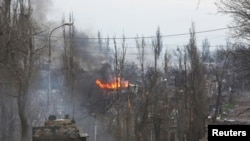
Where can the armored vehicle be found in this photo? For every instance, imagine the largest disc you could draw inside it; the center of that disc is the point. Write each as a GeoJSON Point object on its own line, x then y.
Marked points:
{"type": "Point", "coordinates": [58, 130]}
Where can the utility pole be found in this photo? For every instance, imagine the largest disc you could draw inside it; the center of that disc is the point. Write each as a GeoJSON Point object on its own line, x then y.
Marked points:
{"type": "Point", "coordinates": [49, 92]}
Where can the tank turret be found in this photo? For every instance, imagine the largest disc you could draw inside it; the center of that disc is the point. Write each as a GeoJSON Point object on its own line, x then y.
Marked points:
{"type": "Point", "coordinates": [58, 130]}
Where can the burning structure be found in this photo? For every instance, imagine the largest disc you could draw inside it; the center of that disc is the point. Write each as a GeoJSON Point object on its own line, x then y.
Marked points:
{"type": "Point", "coordinates": [113, 85]}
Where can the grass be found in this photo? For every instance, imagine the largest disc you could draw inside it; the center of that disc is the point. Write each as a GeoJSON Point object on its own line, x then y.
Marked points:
{"type": "Point", "coordinates": [227, 108]}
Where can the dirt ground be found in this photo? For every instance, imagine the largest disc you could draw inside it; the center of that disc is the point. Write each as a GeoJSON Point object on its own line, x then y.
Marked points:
{"type": "Point", "coordinates": [239, 111]}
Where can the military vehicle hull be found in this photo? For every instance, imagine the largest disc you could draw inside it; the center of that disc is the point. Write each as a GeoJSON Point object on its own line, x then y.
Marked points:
{"type": "Point", "coordinates": [58, 130]}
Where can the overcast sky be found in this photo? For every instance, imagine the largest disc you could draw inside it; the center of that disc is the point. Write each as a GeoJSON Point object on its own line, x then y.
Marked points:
{"type": "Point", "coordinates": [142, 17]}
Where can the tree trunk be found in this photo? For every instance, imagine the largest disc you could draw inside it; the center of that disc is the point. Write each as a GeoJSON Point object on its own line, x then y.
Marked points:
{"type": "Point", "coordinates": [157, 129]}
{"type": "Point", "coordinates": [22, 113]}
{"type": "Point", "coordinates": [218, 101]}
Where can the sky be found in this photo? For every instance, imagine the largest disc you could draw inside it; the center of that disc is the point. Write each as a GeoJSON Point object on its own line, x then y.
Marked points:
{"type": "Point", "coordinates": [142, 17]}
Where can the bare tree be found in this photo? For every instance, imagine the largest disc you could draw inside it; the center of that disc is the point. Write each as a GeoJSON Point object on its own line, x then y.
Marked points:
{"type": "Point", "coordinates": [190, 82]}
{"type": "Point", "coordinates": [239, 10]}
{"type": "Point", "coordinates": [219, 71]}
{"type": "Point", "coordinates": [153, 111]}
{"type": "Point", "coordinates": [157, 46]}
{"type": "Point", "coordinates": [205, 50]}
{"type": "Point", "coordinates": [198, 97]}
{"type": "Point", "coordinates": [141, 110]}
{"type": "Point", "coordinates": [119, 60]}
{"type": "Point", "coordinates": [17, 54]}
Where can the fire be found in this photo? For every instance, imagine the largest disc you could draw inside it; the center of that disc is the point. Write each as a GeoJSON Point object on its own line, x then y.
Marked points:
{"type": "Point", "coordinates": [113, 85]}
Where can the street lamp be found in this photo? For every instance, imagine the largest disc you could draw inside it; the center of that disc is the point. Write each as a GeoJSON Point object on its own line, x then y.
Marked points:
{"type": "Point", "coordinates": [65, 24]}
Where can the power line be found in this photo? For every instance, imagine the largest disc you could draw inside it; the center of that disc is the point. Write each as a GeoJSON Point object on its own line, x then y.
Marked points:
{"type": "Point", "coordinates": [129, 54]}
{"type": "Point", "coordinates": [148, 45]}
{"type": "Point", "coordinates": [134, 46]}
{"type": "Point", "coordinates": [110, 42]}
{"type": "Point", "coordinates": [146, 37]}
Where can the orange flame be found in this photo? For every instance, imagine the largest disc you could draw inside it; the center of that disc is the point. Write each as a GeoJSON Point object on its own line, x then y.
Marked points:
{"type": "Point", "coordinates": [115, 84]}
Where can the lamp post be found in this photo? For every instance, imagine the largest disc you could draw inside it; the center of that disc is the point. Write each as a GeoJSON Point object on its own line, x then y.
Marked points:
{"type": "Point", "coordinates": [65, 24]}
